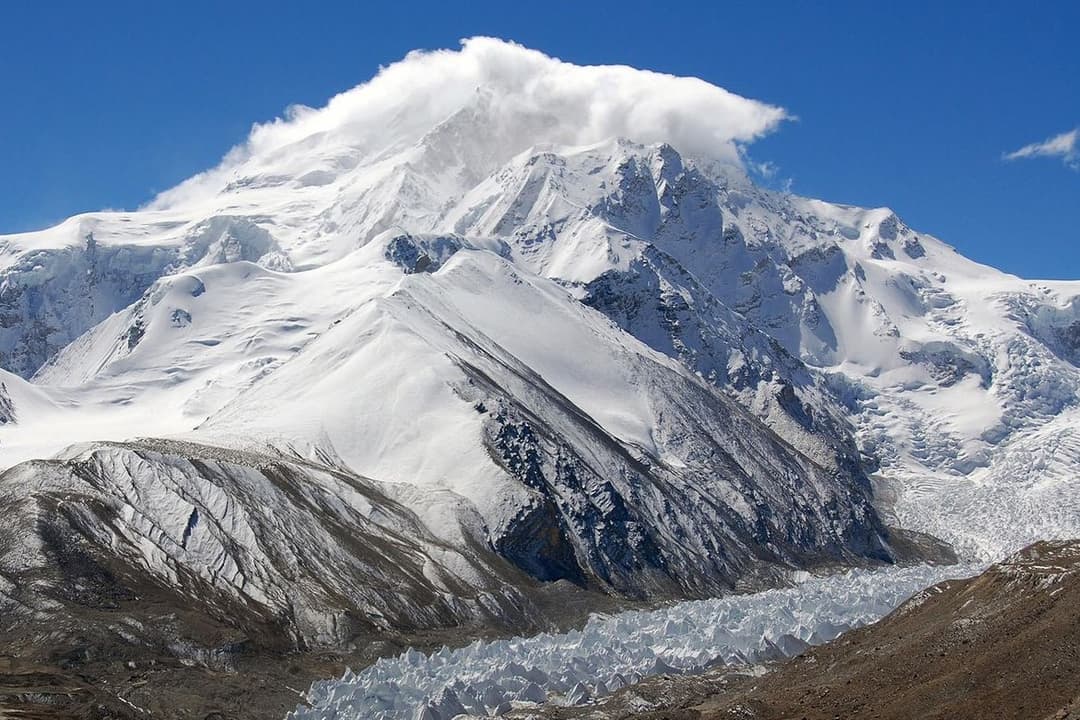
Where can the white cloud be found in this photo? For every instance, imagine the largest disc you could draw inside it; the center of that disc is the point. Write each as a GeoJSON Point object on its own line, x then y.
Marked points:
{"type": "Point", "coordinates": [766, 170]}
{"type": "Point", "coordinates": [533, 99]}
{"type": "Point", "coordinates": [1063, 146]}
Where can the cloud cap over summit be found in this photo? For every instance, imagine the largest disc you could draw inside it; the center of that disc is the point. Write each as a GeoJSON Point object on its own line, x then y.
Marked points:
{"type": "Point", "coordinates": [554, 102]}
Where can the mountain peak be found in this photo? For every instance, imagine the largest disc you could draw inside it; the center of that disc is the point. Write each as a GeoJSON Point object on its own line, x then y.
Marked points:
{"type": "Point", "coordinates": [516, 97]}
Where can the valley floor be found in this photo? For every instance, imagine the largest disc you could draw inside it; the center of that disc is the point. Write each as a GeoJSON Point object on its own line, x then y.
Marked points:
{"type": "Point", "coordinates": [615, 651]}
{"type": "Point", "coordinates": [1003, 644]}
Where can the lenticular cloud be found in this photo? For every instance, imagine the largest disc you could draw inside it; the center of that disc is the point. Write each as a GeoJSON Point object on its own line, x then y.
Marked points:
{"type": "Point", "coordinates": [522, 96]}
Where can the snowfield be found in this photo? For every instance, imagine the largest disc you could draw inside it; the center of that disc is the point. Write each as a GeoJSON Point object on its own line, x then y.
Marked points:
{"type": "Point", "coordinates": [545, 311]}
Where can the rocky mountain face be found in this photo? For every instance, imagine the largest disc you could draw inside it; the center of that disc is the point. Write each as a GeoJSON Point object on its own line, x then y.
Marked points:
{"type": "Point", "coordinates": [344, 558]}
{"type": "Point", "coordinates": [135, 576]}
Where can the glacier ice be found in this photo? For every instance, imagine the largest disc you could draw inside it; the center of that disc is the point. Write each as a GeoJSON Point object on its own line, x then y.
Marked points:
{"type": "Point", "coordinates": [613, 651]}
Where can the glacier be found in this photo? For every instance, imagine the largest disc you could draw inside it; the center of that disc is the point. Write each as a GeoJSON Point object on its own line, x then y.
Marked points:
{"type": "Point", "coordinates": [612, 652]}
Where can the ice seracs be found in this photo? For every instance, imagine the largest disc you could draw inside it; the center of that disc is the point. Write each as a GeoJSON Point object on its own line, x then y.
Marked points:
{"type": "Point", "coordinates": [610, 652]}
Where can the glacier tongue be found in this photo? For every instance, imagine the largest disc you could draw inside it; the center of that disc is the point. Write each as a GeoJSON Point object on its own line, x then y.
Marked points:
{"type": "Point", "coordinates": [610, 652]}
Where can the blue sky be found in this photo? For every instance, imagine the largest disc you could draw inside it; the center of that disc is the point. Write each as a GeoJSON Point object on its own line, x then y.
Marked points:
{"type": "Point", "coordinates": [912, 106]}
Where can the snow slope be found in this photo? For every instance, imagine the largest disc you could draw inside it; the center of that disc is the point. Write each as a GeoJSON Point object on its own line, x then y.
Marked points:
{"type": "Point", "coordinates": [588, 456]}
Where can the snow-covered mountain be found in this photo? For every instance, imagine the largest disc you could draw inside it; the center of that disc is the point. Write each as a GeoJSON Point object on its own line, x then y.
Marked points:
{"type": "Point", "coordinates": [516, 321]}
